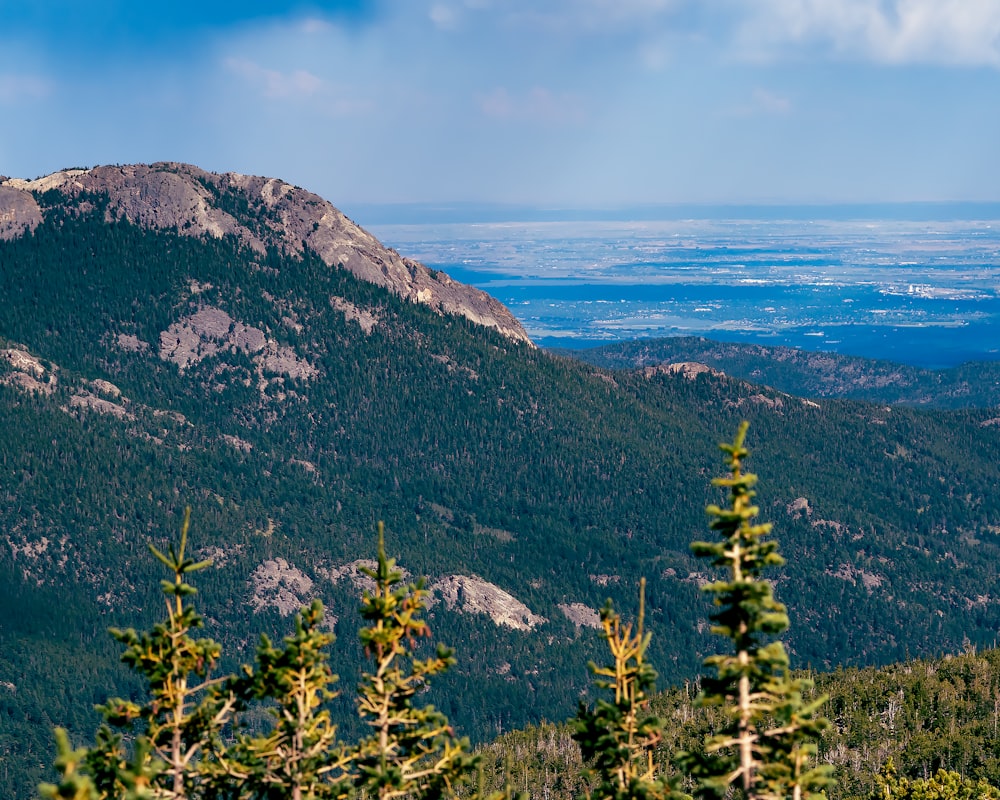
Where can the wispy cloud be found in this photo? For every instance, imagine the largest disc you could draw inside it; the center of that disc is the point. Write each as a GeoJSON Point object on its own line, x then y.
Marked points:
{"type": "Point", "coordinates": [570, 17]}
{"type": "Point", "coordinates": [538, 105]}
{"type": "Point", "coordinates": [444, 16]}
{"type": "Point", "coordinates": [761, 103]}
{"type": "Point", "coordinates": [960, 32]}
{"type": "Point", "coordinates": [276, 85]}
{"type": "Point", "coordinates": [315, 25]}
{"type": "Point", "coordinates": [14, 88]}
{"type": "Point", "coordinates": [770, 102]}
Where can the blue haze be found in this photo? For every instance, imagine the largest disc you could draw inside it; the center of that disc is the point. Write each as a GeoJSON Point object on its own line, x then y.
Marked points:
{"type": "Point", "coordinates": [918, 284]}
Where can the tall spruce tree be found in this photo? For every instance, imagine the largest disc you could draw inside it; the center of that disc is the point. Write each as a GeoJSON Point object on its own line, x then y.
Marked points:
{"type": "Point", "coordinates": [172, 746]}
{"type": "Point", "coordinates": [171, 736]}
{"type": "Point", "coordinates": [766, 748]}
{"type": "Point", "coordinates": [411, 751]}
{"type": "Point", "coordinates": [301, 756]}
{"type": "Point", "coordinates": [619, 736]}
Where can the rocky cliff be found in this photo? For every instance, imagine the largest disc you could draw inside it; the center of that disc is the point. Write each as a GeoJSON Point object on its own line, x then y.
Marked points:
{"type": "Point", "coordinates": [260, 213]}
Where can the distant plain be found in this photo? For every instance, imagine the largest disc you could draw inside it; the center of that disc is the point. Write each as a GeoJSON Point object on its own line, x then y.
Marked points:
{"type": "Point", "coordinates": [884, 282]}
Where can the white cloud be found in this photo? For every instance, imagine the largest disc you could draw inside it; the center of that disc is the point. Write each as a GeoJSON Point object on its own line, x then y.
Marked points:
{"type": "Point", "coordinates": [961, 32]}
{"type": "Point", "coordinates": [443, 16]}
{"type": "Point", "coordinates": [536, 105]}
{"type": "Point", "coordinates": [761, 102]}
{"type": "Point", "coordinates": [274, 84]}
{"type": "Point", "coordinates": [315, 25]}
{"type": "Point", "coordinates": [771, 103]}
{"type": "Point", "coordinates": [582, 16]}
{"type": "Point", "coordinates": [23, 87]}
{"type": "Point", "coordinates": [654, 55]}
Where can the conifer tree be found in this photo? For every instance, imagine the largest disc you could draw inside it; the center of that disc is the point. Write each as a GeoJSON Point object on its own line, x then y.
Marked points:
{"type": "Point", "coordinates": [175, 748]}
{"type": "Point", "coordinates": [301, 756]}
{"type": "Point", "coordinates": [410, 751]}
{"type": "Point", "coordinates": [74, 784]}
{"type": "Point", "coordinates": [618, 737]}
{"type": "Point", "coordinates": [766, 747]}
{"type": "Point", "coordinates": [179, 724]}
{"type": "Point", "coordinates": [944, 785]}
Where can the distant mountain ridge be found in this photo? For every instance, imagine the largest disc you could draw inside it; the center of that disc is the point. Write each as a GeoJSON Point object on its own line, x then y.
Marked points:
{"type": "Point", "coordinates": [259, 213]}
{"type": "Point", "coordinates": [812, 374]}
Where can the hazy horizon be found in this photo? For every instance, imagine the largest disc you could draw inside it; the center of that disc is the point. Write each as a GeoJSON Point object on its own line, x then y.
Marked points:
{"type": "Point", "coordinates": [922, 292]}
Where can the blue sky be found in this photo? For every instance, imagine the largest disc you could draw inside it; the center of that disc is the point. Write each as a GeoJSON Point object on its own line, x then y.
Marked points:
{"type": "Point", "coordinates": [540, 102]}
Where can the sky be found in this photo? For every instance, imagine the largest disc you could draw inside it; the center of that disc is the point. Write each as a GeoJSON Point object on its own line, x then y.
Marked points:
{"type": "Point", "coordinates": [547, 103]}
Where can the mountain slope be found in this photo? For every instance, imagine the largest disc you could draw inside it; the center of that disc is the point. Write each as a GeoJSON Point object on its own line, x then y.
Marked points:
{"type": "Point", "coordinates": [808, 374]}
{"type": "Point", "coordinates": [292, 405]}
{"type": "Point", "coordinates": [260, 213]}
{"type": "Point", "coordinates": [924, 715]}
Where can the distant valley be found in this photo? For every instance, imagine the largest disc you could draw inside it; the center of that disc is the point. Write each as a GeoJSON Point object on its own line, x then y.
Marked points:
{"type": "Point", "coordinates": [910, 284]}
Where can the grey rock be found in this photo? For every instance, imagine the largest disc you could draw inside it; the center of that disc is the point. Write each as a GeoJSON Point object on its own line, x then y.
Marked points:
{"type": "Point", "coordinates": [19, 212]}
{"type": "Point", "coordinates": [181, 197]}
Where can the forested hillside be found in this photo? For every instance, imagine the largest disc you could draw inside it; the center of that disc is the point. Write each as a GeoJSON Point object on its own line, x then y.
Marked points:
{"type": "Point", "coordinates": [807, 374]}
{"type": "Point", "coordinates": [924, 715]}
{"type": "Point", "coordinates": [292, 405]}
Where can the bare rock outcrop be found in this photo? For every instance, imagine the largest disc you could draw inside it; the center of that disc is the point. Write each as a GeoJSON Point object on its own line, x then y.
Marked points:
{"type": "Point", "coordinates": [799, 507]}
{"type": "Point", "coordinates": [279, 585]}
{"type": "Point", "coordinates": [106, 388]}
{"type": "Point", "coordinates": [131, 343]}
{"type": "Point", "coordinates": [853, 575]}
{"type": "Point", "coordinates": [19, 212]}
{"type": "Point", "coordinates": [365, 319]}
{"type": "Point", "coordinates": [581, 615]}
{"type": "Point", "coordinates": [210, 331]}
{"type": "Point", "coordinates": [191, 201]}
{"type": "Point", "coordinates": [359, 580]}
{"type": "Point", "coordinates": [472, 595]}
{"type": "Point", "coordinates": [90, 402]}
{"type": "Point", "coordinates": [29, 374]}
{"type": "Point", "coordinates": [686, 369]}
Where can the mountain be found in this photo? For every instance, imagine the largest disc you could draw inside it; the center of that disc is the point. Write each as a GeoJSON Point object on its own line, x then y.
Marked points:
{"type": "Point", "coordinates": [259, 213]}
{"type": "Point", "coordinates": [148, 364]}
{"type": "Point", "coordinates": [808, 374]}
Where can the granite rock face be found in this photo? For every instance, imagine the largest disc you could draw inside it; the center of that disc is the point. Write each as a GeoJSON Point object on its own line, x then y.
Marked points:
{"type": "Point", "coordinates": [19, 212]}
{"type": "Point", "coordinates": [259, 212]}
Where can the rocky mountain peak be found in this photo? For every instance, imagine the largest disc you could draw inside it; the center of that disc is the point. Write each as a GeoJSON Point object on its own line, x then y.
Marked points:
{"type": "Point", "coordinates": [260, 212]}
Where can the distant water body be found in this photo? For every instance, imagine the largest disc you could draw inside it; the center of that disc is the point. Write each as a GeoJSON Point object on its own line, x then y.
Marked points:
{"type": "Point", "coordinates": [918, 284]}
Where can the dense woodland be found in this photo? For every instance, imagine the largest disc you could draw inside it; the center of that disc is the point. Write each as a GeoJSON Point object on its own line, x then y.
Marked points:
{"type": "Point", "coordinates": [558, 481]}
{"type": "Point", "coordinates": [924, 715]}
{"type": "Point", "coordinates": [809, 374]}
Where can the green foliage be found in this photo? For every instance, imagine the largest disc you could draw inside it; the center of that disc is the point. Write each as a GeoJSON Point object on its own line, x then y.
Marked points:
{"type": "Point", "coordinates": [925, 715]}
{"type": "Point", "coordinates": [177, 728]}
{"type": "Point", "coordinates": [765, 746]}
{"type": "Point", "coordinates": [537, 473]}
{"type": "Point", "coordinates": [301, 755]}
{"type": "Point", "coordinates": [176, 747]}
{"type": "Point", "coordinates": [619, 737]}
{"type": "Point", "coordinates": [73, 784]}
{"type": "Point", "coordinates": [942, 786]}
{"type": "Point", "coordinates": [410, 751]}
{"type": "Point", "coordinates": [809, 374]}
{"type": "Point", "coordinates": [768, 739]}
